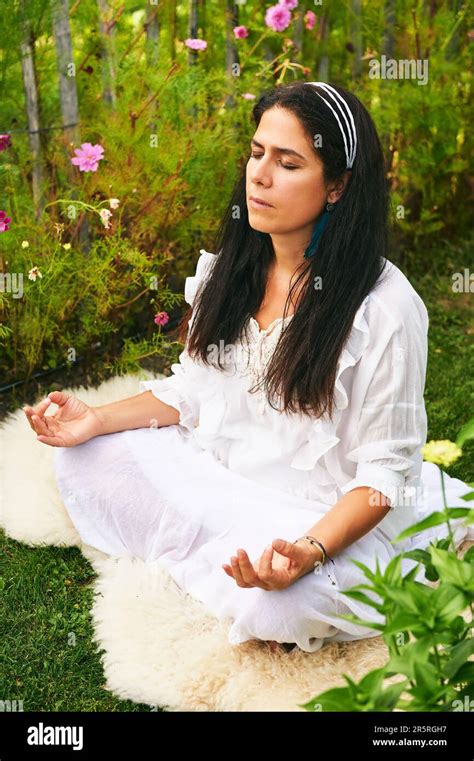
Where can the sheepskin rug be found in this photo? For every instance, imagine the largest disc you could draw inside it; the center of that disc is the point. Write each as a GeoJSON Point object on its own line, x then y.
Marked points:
{"type": "Point", "coordinates": [160, 645]}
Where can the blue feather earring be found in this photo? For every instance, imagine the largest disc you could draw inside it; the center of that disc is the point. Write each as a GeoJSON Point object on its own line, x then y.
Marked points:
{"type": "Point", "coordinates": [319, 228]}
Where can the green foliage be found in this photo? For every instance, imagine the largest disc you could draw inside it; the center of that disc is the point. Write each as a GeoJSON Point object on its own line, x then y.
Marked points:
{"type": "Point", "coordinates": [74, 302]}
{"type": "Point", "coordinates": [175, 138]}
{"type": "Point", "coordinates": [427, 627]}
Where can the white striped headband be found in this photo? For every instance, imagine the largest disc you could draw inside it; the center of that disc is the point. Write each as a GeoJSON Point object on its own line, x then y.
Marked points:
{"type": "Point", "coordinates": [351, 130]}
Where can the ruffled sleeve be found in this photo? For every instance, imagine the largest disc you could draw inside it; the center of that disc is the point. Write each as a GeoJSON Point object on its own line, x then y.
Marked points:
{"type": "Point", "coordinates": [388, 393]}
{"type": "Point", "coordinates": [181, 389]}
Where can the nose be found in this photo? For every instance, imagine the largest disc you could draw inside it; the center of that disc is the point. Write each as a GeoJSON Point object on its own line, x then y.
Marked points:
{"type": "Point", "coordinates": [259, 174]}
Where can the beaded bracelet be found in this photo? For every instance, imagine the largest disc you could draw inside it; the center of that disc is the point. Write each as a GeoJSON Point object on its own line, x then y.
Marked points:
{"type": "Point", "coordinates": [320, 546]}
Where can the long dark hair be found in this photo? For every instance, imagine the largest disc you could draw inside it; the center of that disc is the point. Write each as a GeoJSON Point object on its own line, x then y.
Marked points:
{"type": "Point", "coordinates": [303, 367]}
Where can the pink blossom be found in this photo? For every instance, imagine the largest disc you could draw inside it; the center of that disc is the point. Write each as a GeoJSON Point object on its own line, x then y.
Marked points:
{"type": "Point", "coordinates": [309, 19]}
{"type": "Point", "coordinates": [290, 4]}
{"type": "Point", "coordinates": [5, 142]}
{"type": "Point", "coordinates": [195, 44]}
{"type": "Point", "coordinates": [241, 31]}
{"type": "Point", "coordinates": [88, 156]}
{"type": "Point", "coordinates": [4, 222]}
{"type": "Point", "coordinates": [277, 17]}
{"type": "Point", "coordinates": [248, 96]}
{"type": "Point", "coordinates": [161, 318]}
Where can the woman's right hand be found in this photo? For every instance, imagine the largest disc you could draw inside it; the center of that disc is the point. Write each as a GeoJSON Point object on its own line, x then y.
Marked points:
{"type": "Point", "coordinates": [73, 423]}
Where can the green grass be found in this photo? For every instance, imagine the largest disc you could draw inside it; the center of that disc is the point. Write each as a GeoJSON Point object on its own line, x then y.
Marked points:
{"type": "Point", "coordinates": [47, 592]}
{"type": "Point", "coordinates": [49, 659]}
{"type": "Point", "coordinates": [449, 391]}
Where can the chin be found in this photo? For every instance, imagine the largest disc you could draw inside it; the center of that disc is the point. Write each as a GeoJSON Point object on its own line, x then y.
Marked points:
{"type": "Point", "coordinates": [259, 229]}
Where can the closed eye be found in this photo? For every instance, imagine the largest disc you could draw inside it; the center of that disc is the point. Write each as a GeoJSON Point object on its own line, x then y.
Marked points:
{"type": "Point", "coordinates": [286, 166]}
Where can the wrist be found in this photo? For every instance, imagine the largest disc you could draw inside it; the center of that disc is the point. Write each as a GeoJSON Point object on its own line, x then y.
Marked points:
{"type": "Point", "coordinates": [312, 554]}
{"type": "Point", "coordinates": [103, 420]}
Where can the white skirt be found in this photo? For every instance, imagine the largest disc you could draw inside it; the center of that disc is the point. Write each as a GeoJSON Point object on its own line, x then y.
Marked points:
{"type": "Point", "coordinates": [153, 493]}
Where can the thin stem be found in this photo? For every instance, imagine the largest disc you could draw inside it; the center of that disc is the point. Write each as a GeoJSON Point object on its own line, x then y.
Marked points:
{"type": "Point", "coordinates": [260, 39]}
{"type": "Point", "coordinates": [451, 537]}
{"type": "Point", "coordinates": [68, 200]}
{"type": "Point", "coordinates": [135, 298]}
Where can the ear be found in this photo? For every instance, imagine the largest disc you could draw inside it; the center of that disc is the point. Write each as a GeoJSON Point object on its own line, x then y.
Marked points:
{"type": "Point", "coordinates": [338, 188]}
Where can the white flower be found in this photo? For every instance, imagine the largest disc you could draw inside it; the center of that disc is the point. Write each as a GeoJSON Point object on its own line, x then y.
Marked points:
{"type": "Point", "coordinates": [114, 203]}
{"type": "Point", "coordinates": [105, 215]}
{"type": "Point", "coordinates": [67, 246]}
{"type": "Point", "coordinates": [24, 244]}
{"type": "Point", "coordinates": [34, 273]}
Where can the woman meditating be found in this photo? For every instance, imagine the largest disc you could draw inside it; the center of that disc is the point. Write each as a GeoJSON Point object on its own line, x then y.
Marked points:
{"type": "Point", "coordinates": [286, 443]}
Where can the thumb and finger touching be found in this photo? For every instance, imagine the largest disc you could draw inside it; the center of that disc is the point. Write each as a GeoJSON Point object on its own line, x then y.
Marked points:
{"type": "Point", "coordinates": [46, 426]}
{"type": "Point", "coordinates": [37, 411]}
{"type": "Point", "coordinates": [59, 397]}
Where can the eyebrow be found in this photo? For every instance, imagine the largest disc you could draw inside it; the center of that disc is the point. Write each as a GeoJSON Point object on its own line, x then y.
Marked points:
{"type": "Point", "coordinates": [288, 151]}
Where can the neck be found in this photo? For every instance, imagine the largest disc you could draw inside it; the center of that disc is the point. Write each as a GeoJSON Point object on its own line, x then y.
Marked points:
{"type": "Point", "coordinates": [289, 251]}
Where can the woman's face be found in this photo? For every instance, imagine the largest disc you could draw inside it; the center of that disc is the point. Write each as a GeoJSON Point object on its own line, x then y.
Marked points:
{"type": "Point", "coordinates": [292, 184]}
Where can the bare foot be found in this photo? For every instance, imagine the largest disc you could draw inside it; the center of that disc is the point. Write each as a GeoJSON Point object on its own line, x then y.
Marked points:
{"type": "Point", "coordinates": [273, 645]}
{"type": "Point", "coordinates": [276, 647]}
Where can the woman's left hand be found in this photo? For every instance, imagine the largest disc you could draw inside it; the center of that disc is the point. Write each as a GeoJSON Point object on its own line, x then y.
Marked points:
{"type": "Point", "coordinates": [281, 564]}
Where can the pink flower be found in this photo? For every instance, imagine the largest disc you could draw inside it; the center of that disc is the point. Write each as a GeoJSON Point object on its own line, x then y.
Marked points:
{"type": "Point", "coordinates": [241, 31]}
{"type": "Point", "coordinates": [248, 96]}
{"type": "Point", "coordinates": [5, 142]}
{"type": "Point", "coordinates": [88, 156]}
{"type": "Point", "coordinates": [277, 17]}
{"type": "Point", "coordinates": [161, 318]}
{"type": "Point", "coordinates": [195, 44]}
{"type": "Point", "coordinates": [4, 222]}
{"type": "Point", "coordinates": [290, 4]}
{"type": "Point", "coordinates": [309, 19]}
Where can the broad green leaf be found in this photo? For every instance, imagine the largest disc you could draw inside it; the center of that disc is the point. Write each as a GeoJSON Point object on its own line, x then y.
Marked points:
{"type": "Point", "coordinates": [388, 700]}
{"type": "Point", "coordinates": [427, 680]}
{"type": "Point", "coordinates": [434, 519]}
{"type": "Point", "coordinates": [465, 674]}
{"type": "Point", "coordinates": [466, 432]}
{"type": "Point", "coordinates": [361, 597]}
{"type": "Point", "coordinates": [412, 597]}
{"type": "Point", "coordinates": [403, 621]}
{"type": "Point", "coordinates": [360, 621]}
{"type": "Point", "coordinates": [448, 602]}
{"type": "Point", "coordinates": [453, 569]}
{"type": "Point", "coordinates": [458, 655]}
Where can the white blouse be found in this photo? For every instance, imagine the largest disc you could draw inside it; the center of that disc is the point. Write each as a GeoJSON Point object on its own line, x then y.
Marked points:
{"type": "Point", "coordinates": [379, 424]}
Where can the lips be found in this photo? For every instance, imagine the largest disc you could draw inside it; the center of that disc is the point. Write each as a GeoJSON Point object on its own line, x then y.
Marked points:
{"type": "Point", "coordinates": [259, 200]}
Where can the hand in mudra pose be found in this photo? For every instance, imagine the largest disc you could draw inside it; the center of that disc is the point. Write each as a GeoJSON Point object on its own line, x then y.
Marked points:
{"type": "Point", "coordinates": [281, 564]}
{"type": "Point", "coordinates": [73, 422]}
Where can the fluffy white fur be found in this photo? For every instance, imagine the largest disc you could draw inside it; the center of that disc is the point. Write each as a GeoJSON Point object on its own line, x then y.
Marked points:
{"type": "Point", "coordinates": [161, 646]}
